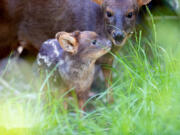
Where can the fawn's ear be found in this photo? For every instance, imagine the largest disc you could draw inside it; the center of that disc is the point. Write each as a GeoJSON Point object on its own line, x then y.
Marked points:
{"type": "Point", "coordinates": [143, 2]}
{"type": "Point", "coordinates": [99, 2]}
{"type": "Point", "coordinates": [68, 42]}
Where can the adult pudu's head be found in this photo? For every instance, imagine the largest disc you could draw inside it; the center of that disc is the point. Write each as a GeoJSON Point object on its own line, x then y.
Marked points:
{"type": "Point", "coordinates": [120, 17]}
{"type": "Point", "coordinates": [86, 44]}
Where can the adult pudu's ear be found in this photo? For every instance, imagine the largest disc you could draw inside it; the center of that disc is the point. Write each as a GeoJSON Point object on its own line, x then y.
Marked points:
{"type": "Point", "coordinates": [68, 41]}
{"type": "Point", "coordinates": [99, 2]}
{"type": "Point", "coordinates": [143, 2]}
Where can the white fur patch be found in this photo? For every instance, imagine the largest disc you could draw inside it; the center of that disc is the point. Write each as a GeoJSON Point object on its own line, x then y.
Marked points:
{"type": "Point", "coordinates": [45, 59]}
{"type": "Point", "coordinates": [53, 44]}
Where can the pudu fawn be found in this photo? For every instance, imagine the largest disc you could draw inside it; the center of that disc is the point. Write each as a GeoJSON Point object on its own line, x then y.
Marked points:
{"type": "Point", "coordinates": [75, 55]}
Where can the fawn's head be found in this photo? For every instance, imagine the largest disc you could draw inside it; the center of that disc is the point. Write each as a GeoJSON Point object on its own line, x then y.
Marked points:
{"type": "Point", "coordinates": [119, 17]}
{"type": "Point", "coordinates": [84, 44]}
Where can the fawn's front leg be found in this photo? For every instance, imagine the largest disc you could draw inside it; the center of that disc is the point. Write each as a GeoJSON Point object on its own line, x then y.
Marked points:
{"type": "Point", "coordinates": [82, 97]}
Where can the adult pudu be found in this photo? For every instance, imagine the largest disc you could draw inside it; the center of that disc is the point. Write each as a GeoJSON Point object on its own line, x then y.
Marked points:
{"type": "Point", "coordinates": [74, 55]}
{"type": "Point", "coordinates": [40, 20]}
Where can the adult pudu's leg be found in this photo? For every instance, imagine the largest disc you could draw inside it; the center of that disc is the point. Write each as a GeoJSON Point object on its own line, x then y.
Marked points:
{"type": "Point", "coordinates": [106, 65]}
{"type": "Point", "coordinates": [98, 84]}
{"type": "Point", "coordinates": [108, 80]}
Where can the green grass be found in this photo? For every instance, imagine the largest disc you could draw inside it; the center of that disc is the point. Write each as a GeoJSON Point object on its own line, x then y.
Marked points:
{"type": "Point", "coordinates": [146, 85]}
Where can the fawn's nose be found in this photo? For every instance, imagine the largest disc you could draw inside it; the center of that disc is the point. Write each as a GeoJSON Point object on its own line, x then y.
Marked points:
{"type": "Point", "coordinates": [118, 36]}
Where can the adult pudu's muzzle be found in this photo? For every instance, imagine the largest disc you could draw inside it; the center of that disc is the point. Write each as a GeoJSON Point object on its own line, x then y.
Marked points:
{"type": "Point", "coordinates": [118, 36]}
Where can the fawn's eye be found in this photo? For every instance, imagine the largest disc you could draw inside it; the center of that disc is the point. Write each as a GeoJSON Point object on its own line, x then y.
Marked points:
{"type": "Point", "coordinates": [130, 15]}
{"type": "Point", "coordinates": [109, 14]}
{"type": "Point", "coordinates": [94, 42]}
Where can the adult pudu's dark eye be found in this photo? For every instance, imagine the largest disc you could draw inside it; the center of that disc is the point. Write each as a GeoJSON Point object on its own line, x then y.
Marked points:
{"type": "Point", "coordinates": [130, 15]}
{"type": "Point", "coordinates": [109, 14]}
